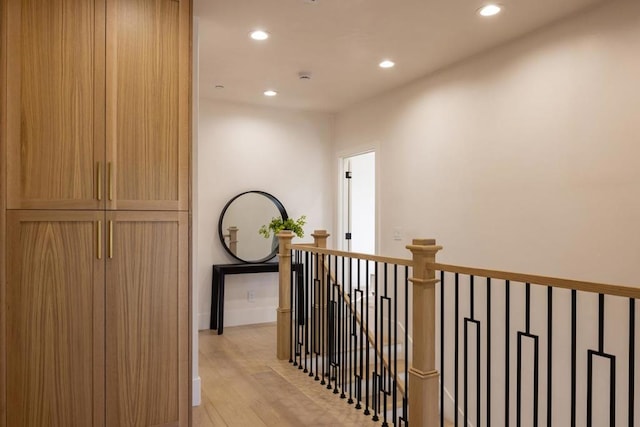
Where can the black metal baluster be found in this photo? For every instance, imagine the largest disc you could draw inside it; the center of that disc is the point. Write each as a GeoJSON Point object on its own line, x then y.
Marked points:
{"type": "Point", "coordinates": [518, 383]}
{"type": "Point", "coordinates": [573, 355]}
{"type": "Point", "coordinates": [385, 374]}
{"type": "Point", "coordinates": [472, 295]}
{"type": "Point", "coordinates": [612, 370]}
{"type": "Point", "coordinates": [376, 386]}
{"type": "Point", "coordinates": [632, 360]}
{"type": "Point", "coordinates": [507, 419]}
{"type": "Point", "coordinates": [466, 372]}
{"type": "Point", "coordinates": [339, 385]}
{"type": "Point", "coordinates": [327, 336]}
{"type": "Point", "coordinates": [392, 347]}
{"type": "Point", "coordinates": [292, 292]}
{"type": "Point", "coordinates": [360, 343]}
{"type": "Point", "coordinates": [549, 355]}
{"type": "Point", "coordinates": [345, 333]}
{"type": "Point", "coordinates": [478, 369]}
{"type": "Point", "coordinates": [393, 351]}
{"type": "Point", "coordinates": [466, 360]}
{"type": "Point", "coordinates": [324, 306]}
{"type": "Point", "coordinates": [521, 335]}
{"type": "Point", "coordinates": [302, 308]}
{"type": "Point", "coordinates": [455, 350]}
{"type": "Point", "coordinates": [351, 332]}
{"type": "Point", "coordinates": [307, 299]}
{"type": "Point", "coordinates": [441, 349]}
{"type": "Point", "coordinates": [316, 315]}
{"type": "Point", "coordinates": [312, 312]}
{"type": "Point", "coordinates": [395, 348]}
{"type": "Point", "coordinates": [360, 348]}
{"type": "Point", "coordinates": [601, 323]}
{"type": "Point", "coordinates": [527, 308]}
{"type": "Point", "coordinates": [337, 329]}
{"type": "Point", "coordinates": [468, 320]}
{"type": "Point", "coordinates": [366, 340]}
{"type": "Point", "coordinates": [405, 399]}
{"type": "Point", "coordinates": [293, 355]}
{"type": "Point", "coordinates": [488, 352]}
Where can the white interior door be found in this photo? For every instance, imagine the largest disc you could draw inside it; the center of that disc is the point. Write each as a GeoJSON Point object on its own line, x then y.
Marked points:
{"type": "Point", "coordinates": [359, 203]}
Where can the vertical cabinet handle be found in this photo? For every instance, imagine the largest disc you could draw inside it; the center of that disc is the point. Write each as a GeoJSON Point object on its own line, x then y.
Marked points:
{"type": "Point", "coordinates": [99, 240]}
{"type": "Point", "coordinates": [99, 181]}
{"type": "Point", "coordinates": [110, 239]}
{"type": "Point", "coordinates": [110, 178]}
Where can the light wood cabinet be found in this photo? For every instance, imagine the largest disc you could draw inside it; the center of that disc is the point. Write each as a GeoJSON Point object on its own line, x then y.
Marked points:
{"type": "Point", "coordinates": [55, 103]}
{"type": "Point", "coordinates": [148, 74]}
{"type": "Point", "coordinates": [94, 141]}
{"type": "Point", "coordinates": [147, 318]}
{"type": "Point", "coordinates": [55, 319]}
{"type": "Point", "coordinates": [97, 302]}
{"type": "Point", "coordinates": [98, 95]}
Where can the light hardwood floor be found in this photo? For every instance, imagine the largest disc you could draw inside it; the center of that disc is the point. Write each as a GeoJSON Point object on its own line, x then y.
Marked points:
{"type": "Point", "coordinates": [243, 384]}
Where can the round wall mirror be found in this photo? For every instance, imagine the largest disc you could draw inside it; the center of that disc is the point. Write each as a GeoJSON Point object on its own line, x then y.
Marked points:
{"type": "Point", "coordinates": [240, 221]}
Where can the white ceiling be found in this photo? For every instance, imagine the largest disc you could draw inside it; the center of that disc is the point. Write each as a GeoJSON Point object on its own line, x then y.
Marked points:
{"type": "Point", "coordinates": [340, 42]}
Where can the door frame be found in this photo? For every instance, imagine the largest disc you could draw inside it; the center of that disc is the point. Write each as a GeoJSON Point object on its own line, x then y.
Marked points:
{"type": "Point", "coordinates": [340, 226]}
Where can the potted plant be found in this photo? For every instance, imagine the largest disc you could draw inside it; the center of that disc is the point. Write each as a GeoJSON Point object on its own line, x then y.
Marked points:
{"type": "Point", "coordinates": [277, 224]}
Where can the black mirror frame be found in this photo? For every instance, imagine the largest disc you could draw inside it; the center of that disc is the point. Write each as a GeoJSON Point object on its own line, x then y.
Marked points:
{"type": "Point", "coordinates": [283, 214]}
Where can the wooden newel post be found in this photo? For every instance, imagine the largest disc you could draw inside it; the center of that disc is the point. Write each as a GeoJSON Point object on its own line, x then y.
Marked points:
{"type": "Point", "coordinates": [423, 376]}
{"type": "Point", "coordinates": [283, 349]}
{"type": "Point", "coordinates": [320, 238]}
{"type": "Point", "coordinates": [233, 239]}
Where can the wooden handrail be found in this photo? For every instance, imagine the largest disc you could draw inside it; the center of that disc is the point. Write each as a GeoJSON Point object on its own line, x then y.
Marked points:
{"type": "Point", "coordinates": [355, 255]}
{"type": "Point", "coordinates": [578, 285]}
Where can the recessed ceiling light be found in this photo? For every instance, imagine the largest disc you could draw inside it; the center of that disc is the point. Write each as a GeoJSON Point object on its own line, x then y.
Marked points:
{"type": "Point", "coordinates": [270, 92]}
{"type": "Point", "coordinates": [490, 10]}
{"type": "Point", "coordinates": [387, 64]}
{"type": "Point", "coordinates": [259, 35]}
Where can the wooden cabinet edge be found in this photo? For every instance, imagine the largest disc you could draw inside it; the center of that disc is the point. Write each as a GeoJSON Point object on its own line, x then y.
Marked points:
{"type": "Point", "coordinates": [3, 190]}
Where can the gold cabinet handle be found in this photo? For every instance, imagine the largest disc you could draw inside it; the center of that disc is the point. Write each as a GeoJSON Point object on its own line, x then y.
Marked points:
{"type": "Point", "coordinates": [99, 181]}
{"type": "Point", "coordinates": [110, 239]}
{"type": "Point", "coordinates": [99, 239]}
{"type": "Point", "coordinates": [110, 178]}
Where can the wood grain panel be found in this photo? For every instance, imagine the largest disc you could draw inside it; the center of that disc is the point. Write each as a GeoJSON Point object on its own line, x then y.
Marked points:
{"type": "Point", "coordinates": [147, 143]}
{"type": "Point", "coordinates": [147, 318]}
{"type": "Point", "coordinates": [55, 103]}
{"type": "Point", "coordinates": [55, 320]}
{"type": "Point", "coordinates": [3, 188]}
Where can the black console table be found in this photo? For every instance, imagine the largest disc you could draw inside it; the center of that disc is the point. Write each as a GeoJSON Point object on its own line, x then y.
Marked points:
{"type": "Point", "coordinates": [217, 285]}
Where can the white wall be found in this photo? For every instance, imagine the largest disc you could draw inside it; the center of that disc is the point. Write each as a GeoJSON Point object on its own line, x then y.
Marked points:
{"type": "Point", "coordinates": [523, 158]}
{"type": "Point", "coordinates": [240, 148]}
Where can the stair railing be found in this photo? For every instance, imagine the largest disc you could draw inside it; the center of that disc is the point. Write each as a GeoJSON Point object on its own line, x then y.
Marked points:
{"type": "Point", "coordinates": [340, 315]}
{"type": "Point", "coordinates": [489, 347]}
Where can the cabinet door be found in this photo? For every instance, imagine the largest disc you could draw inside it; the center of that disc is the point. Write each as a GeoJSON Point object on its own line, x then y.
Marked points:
{"type": "Point", "coordinates": [55, 104]}
{"type": "Point", "coordinates": [147, 319]}
{"type": "Point", "coordinates": [148, 104]}
{"type": "Point", "coordinates": [55, 319]}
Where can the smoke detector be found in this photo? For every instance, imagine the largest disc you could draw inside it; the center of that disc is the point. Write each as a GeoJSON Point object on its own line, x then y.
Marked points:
{"type": "Point", "coordinates": [312, 1]}
{"type": "Point", "coordinates": [304, 75]}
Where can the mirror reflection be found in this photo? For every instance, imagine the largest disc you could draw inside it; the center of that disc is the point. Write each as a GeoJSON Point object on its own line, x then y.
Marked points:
{"type": "Point", "coordinates": [240, 221]}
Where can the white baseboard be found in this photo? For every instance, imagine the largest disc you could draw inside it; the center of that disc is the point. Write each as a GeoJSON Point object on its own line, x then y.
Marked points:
{"type": "Point", "coordinates": [241, 316]}
{"type": "Point", "coordinates": [196, 394]}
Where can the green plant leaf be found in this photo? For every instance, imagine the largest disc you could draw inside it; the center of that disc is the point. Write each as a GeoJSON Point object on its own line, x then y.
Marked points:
{"type": "Point", "coordinates": [277, 225]}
